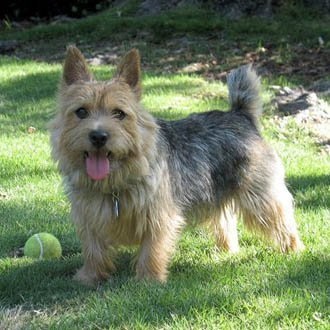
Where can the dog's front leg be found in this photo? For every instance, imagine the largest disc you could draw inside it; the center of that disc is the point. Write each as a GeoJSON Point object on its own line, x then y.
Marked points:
{"type": "Point", "coordinates": [98, 262]}
{"type": "Point", "coordinates": [156, 250]}
{"type": "Point", "coordinates": [152, 261]}
{"type": "Point", "coordinates": [90, 214]}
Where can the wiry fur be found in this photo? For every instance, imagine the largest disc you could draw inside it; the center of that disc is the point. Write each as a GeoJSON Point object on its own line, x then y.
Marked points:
{"type": "Point", "coordinates": [207, 167]}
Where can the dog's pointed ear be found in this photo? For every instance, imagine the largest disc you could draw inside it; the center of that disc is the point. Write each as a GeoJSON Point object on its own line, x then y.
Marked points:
{"type": "Point", "coordinates": [129, 70]}
{"type": "Point", "coordinates": [75, 67]}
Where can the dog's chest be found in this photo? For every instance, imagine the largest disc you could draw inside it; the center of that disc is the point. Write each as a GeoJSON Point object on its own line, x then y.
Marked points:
{"type": "Point", "coordinates": [127, 222]}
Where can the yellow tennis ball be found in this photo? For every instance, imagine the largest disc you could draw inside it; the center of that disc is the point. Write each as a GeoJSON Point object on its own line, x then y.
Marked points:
{"type": "Point", "coordinates": [43, 246]}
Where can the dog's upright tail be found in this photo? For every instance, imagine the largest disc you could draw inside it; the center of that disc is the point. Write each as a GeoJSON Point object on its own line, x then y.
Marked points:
{"type": "Point", "coordinates": [244, 92]}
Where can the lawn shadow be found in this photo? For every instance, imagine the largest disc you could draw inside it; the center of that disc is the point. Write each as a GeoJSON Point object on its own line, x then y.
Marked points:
{"type": "Point", "coordinates": [314, 183]}
{"type": "Point", "coordinates": [39, 283]}
{"type": "Point", "coordinates": [28, 100]}
{"type": "Point", "coordinates": [46, 283]}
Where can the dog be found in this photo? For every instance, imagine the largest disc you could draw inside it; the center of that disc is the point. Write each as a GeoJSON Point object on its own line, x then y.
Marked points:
{"type": "Point", "coordinates": [133, 179]}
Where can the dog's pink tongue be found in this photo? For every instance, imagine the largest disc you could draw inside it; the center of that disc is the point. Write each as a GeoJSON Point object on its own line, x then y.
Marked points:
{"type": "Point", "coordinates": [97, 166]}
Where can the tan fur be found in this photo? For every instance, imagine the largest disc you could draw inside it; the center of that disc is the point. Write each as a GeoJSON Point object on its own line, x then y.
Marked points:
{"type": "Point", "coordinates": [149, 217]}
{"type": "Point", "coordinates": [269, 209]}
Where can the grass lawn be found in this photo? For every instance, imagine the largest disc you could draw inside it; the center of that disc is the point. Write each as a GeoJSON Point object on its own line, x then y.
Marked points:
{"type": "Point", "coordinates": [255, 289]}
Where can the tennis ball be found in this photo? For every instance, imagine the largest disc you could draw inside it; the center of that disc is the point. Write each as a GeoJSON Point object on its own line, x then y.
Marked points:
{"type": "Point", "coordinates": [43, 246]}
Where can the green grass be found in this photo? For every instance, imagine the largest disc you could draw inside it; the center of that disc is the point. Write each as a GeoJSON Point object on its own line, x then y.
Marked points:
{"type": "Point", "coordinates": [258, 288]}
{"type": "Point", "coordinates": [293, 26]}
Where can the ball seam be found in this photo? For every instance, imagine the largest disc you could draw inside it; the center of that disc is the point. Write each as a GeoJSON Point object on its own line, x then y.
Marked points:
{"type": "Point", "coordinates": [41, 246]}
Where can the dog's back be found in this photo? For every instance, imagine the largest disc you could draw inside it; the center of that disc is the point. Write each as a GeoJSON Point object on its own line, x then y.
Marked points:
{"type": "Point", "coordinates": [208, 153]}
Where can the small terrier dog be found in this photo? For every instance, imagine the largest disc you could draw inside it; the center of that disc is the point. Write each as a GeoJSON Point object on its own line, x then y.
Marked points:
{"type": "Point", "coordinates": [133, 179]}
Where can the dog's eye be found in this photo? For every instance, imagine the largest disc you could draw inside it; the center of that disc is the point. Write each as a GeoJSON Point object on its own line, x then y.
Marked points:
{"type": "Point", "coordinates": [82, 113]}
{"type": "Point", "coordinates": [119, 114]}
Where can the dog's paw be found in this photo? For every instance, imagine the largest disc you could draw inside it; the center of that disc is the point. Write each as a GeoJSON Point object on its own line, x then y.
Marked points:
{"type": "Point", "coordinates": [143, 274]}
{"type": "Point", "coordinates": [86, 278]}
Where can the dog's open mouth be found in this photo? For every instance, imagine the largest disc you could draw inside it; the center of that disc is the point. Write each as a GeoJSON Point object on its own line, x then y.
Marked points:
{"type": "Point", "coordinates": [97, 165]}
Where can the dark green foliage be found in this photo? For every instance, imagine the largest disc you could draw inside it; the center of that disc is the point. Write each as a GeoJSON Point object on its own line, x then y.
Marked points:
{"type": "Point", "coordinates": [21, 9]}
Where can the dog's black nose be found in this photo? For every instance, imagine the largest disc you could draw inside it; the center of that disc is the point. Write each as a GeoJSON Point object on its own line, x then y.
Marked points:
{"type": "Point", "coordinates": [98, 138]}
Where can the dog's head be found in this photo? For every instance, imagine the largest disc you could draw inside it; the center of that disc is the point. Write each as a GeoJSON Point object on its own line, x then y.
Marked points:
{"type": "Point", "coordinates": [101, 132]}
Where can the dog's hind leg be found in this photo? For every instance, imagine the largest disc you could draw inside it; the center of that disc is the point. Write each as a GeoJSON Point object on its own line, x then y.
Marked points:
{"type": "Point", "coordinates": [270, 212]}
{"type": "Point", "coordinates": [225, 229]}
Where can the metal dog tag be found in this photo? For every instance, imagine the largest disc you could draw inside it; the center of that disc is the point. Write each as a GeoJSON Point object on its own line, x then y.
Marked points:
{"type": "Point", "coordinates": [115, 201]}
